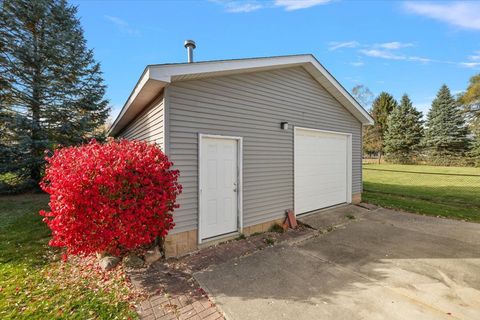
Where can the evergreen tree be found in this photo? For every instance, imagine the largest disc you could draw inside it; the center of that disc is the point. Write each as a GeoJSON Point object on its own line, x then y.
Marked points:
{"type": "Point", "coordinates": [404, 132]}
{"type": "Point", "coordinates": [446, 131]}
{"type": "Point", "coordinates": [374, 135]}
{"type": "Point", "coordinates": [52, 88]}
{"type": "Point", "coordinates": [475, 152]}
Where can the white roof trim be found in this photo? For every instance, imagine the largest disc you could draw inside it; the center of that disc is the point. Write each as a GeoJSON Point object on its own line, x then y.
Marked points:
{"type": "Point", "coordinates": [156, 77]}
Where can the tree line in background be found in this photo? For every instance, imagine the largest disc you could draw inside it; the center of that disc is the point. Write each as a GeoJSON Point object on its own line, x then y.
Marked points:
{"type": "Point", "coordinates": [52, 94]}
{"type": "Point", "coordinates": [450, 135]}
{"type": "Point", "coordinates": [51, 87]}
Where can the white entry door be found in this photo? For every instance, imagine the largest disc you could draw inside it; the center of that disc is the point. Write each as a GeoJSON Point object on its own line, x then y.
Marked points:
{"type": "Point", "coordinates": [322, 169]}
{"type": "Point", "coordinates": [219, 186]}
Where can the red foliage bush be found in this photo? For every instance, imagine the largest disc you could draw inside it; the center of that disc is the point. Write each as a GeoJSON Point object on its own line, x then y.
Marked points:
{"type": "Point", "coordinates": [111, 197]}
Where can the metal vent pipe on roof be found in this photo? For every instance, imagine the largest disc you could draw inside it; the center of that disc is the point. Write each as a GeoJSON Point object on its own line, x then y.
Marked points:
{"type": "Point", "coordinates": [190, 45]}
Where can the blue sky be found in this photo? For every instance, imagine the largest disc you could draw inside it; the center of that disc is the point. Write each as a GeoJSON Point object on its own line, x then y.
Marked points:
{"type": "Point", "coordinates": [395, 46]}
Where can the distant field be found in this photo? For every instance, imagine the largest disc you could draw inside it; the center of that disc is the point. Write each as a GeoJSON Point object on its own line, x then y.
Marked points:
{"type": "Point", "coordinates": [441, 191]}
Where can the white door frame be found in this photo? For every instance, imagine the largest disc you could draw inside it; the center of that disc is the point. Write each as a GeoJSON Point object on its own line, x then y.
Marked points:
{"type": "Point", "coordinates": [349, 160]}
{"type": "Point", "coordinates": [239, 141]}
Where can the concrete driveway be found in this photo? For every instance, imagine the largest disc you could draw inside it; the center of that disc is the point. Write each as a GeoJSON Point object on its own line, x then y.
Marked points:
{"type": "Point", "coordinates": [381, 265]}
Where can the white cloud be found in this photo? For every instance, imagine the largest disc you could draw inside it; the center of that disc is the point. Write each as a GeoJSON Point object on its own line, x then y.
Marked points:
{"type": "Point", "coordinates": [395, 45]}
{"type": "Point", "coordinates": [123, 25]}
{"type": "Point", "coordinates": [291, 5]}
{"type": "Point", "coordinates": [475, 57]}
{"type": "Point", "coordinates": [391, 51]}
{"type": "Point", "coordinates": [384, 50]}
{"type": "Point", "coordinates": [357, 64]}
{"type": "Point", "coordinates": [423, 60]}
{"type": "Point", "coordinates": [470, 64]}
{"type": "Point", "coordinates": [461, 14]}
{"type": "Point", "coordinates": [473, 61]}
{"type": "Point", "coordinates": [384, 54]}
{"type": "Point", "coordinates": [332, 46]}
{"type": "Point", "coordinates": [240, 6]}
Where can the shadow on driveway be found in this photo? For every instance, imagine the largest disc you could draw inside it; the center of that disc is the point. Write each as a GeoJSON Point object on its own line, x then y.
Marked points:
{"type": "Point", "coordinates": [383, 265]}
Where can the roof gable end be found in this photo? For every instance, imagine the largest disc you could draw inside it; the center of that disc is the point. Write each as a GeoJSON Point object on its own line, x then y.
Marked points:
{"type": "Point", "coordinates": [156, 77]}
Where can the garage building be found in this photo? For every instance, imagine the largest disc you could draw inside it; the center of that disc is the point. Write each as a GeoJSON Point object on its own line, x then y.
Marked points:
{"type": "Point", "coordinates": [252, 138]}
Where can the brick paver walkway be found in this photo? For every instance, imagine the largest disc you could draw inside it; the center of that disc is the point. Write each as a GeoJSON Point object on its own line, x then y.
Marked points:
{"type": "Point", "coordinates": [178, 307]}
{"type": "Point", "coordinates": [174, 293]}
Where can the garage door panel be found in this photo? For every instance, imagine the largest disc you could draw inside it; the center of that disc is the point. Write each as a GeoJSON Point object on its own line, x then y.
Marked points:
{"type": "Point", "coordinates": [320, 169]}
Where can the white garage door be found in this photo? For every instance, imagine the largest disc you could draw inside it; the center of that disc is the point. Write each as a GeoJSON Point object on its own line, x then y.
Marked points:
{"type": "Point", "coordinates": [321, 171]}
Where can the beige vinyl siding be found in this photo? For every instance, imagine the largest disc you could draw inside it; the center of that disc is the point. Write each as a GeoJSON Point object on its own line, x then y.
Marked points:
{"type": "Point", "coordinates": [252, 106]}
{"type": "Point", "coordinates": [149, 125]}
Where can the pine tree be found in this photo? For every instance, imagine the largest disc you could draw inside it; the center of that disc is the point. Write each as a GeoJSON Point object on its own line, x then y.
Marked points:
{"type": "Point", "coordinates": [404, 132]}
{"type": "Point", "coordinates": [374, 135]}
{"type": "Point", "coordinates": [446, 131]}
{"type": "Point", "coordinates": [52, 88]}
{"type": "Point", "coordinates": [475, 152]}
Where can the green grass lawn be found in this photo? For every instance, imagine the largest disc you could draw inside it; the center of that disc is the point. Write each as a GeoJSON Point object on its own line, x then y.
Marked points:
{"type": "Point", "coordinates": [441, 191]}
{"type": "Point", "coordinates": [34, 284]}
